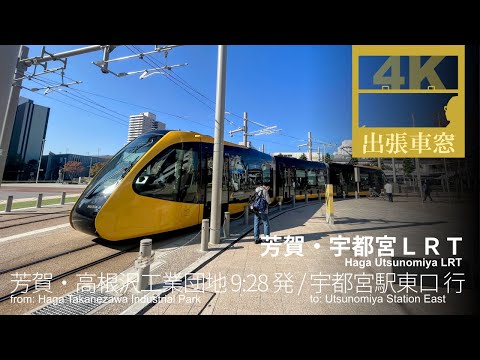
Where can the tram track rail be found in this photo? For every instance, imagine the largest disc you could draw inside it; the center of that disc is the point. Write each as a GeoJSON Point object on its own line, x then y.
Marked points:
{"type": "Point", "coordinates": [18, 267]}
{"type": "Point", "coordinates": [66, 273]}
{"type": "Point", "coordinates": [24, 216]}
{"type": "Point", "coordinates": [33, 222]}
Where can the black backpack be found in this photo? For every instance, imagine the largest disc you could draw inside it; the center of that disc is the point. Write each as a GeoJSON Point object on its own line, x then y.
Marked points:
{"type": "Point", "coordinates": [257, 203]}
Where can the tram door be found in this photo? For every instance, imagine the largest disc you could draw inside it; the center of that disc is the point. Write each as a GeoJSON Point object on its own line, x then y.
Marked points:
{"type": "Point", "coordinates": [208, 172]}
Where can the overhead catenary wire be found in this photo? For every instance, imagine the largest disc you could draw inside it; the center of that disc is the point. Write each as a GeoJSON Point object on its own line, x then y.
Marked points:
{"type": "Point", "coordinates": [78, 99]}
{"type": "Point", "coordinates": [154, 63]}
{"type": "Point", "coordinates": [151, 62]}
{"type": "Point", "coordinates": [51, 82]}
{"type": "Point", "coordinates": [170, 75]}
{"type": "Point", "coordinates": [84, 97]}
{"type": "Point", "coordinates": [66, 103]}
{"type": "Point", "coordinates": [137, 105]}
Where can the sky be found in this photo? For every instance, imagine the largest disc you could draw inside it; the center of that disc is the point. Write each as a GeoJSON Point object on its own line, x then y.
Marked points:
{"type": "Point", "coordinates": [296, 88]}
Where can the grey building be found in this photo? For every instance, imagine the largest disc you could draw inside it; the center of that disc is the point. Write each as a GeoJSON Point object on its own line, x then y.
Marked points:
{"type": "Point", "coordinates": [26, 143]}
{"type": "Point", "coordinates": [52, 163]}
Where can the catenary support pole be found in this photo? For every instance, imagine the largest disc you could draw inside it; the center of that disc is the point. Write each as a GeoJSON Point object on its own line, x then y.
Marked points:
{"type": "Point", "coordinates": [218, 147]}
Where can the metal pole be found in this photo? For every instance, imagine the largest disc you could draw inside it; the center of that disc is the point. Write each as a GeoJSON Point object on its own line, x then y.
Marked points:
{"type": "Point", "coordinates": [204, 236]}
{"type": "Point", "coordinates": [61, 55]}
{"type": "Point", "coordinates": [245, 128]}
{"type": "Point", "coordinates": [90, 168]}
{"type": "Point", "coordinates": [419, 178]}
{"type": "Point", "coordinates": [8, 207]}
{"type": "Point", "coordinates": [39, 200]}
{"type": "Point", "coordinates": [226, 225]}
{"type": "Point", "coordinates": [446, 175]}
{"type": "Point", "coordinates": [379, 163]}
{"type": "Point", "coordinates": [310, 146]}
{"type": "Point", "coordinates": [218, 147]}
{"type": "Point", "coordinates": [294, 198]}
{"type": "Point", "coordinates": [145, 254]}
{"type": "Point", "coordinates": [10, 69]}
{"type": "Point", "coordinates": [246, 215]}
{"type": "Point", "coordinates": [64, 195]}
{"type": "Point", "coordinates": [40, 161]}
{"type": "Point", "coordinates": [106, 57]}
{"type": "Point", "coordinates": [263, 148]}
{"type": "Point", "coordinates": [394, 171]}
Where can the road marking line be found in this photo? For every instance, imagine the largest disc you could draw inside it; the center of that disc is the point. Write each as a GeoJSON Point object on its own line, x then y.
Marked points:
{"type": "Point", "coordinates": [34, 232]}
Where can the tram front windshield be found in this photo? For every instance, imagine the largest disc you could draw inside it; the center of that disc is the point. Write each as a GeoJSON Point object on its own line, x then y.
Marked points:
{"type": "Point", "coordinates": [112, 173]}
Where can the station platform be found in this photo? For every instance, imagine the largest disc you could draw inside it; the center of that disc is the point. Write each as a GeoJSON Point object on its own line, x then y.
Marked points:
{"type": "Point", "coordinates": [312, 280]}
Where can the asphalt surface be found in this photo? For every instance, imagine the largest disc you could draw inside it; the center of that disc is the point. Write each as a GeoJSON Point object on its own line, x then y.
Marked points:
{"type": "Point", "coordinates": [33, 235]}
{"type": "Point", "coordinates": [26, 191]}
{"type": "Point", "coordinates": [28, 236]}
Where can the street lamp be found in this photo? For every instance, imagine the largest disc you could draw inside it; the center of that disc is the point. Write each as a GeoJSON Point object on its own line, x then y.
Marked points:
{"type": "Point", "coordinates": [40, 160]}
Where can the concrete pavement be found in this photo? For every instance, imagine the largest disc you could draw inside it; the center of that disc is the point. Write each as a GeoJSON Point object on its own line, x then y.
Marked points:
{"type": "Point", "coordinates": [242, 281]}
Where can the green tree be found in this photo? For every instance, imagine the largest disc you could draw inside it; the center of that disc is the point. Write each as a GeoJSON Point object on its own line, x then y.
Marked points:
{"type": "Point", "coordinates": [328, 158]}
{"type": "Point", "coordinates": [303, 157]}
{"type": "Point", "coordinates": [408, 166]}
{"type": "Point", "coordinates": [96, 168]}
{"type": "Point", "coordinates": [280, 154]}
{"type": "Point", "coordinates": [353, 161]}
{"type": "Point", "coordinates": [73, 168]}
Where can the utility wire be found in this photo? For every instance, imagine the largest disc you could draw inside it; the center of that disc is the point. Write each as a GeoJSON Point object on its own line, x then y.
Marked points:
{"type": "Point", "coordinates": [66, 103]}
{"type": "Point", "coordinates": [84, 97]}
{"type": "Point", "coordinates": [150, 62]}
{"type": "Point", "coordinates": [51, 82]}
{"type": "Point", "coordinates": [153, 62]}
{"type": "Point", "coordinates": [78, 99]}
{"type": "Point", "coordinates": [170, 75]}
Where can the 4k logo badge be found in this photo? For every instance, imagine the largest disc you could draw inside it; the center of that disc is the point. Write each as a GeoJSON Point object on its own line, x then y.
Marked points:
{"type": "Point", "coordinates": [408, 101]}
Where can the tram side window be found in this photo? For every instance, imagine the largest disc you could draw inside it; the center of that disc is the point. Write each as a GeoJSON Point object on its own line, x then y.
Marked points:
{"type": "Point", "coordinates": [171, 175]}
{"type": "Point", "coordinates": [321, 179]}
{"type": "Point", "coordinates": [300, 182]}
{"type": "Point", "coordinates": [266, 173]}
{"type": "Point", "coordinates": [312, 178]}
{"type": "Point", "coordinates": [238, 173]}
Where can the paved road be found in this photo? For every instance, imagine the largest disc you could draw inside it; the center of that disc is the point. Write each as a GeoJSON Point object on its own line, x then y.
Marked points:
{"type": "Point", "coordinates": [25, 191]}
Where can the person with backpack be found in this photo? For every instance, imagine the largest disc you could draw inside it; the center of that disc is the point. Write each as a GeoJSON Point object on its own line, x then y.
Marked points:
{"type": "Point", "coordinates": [260, 210]}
